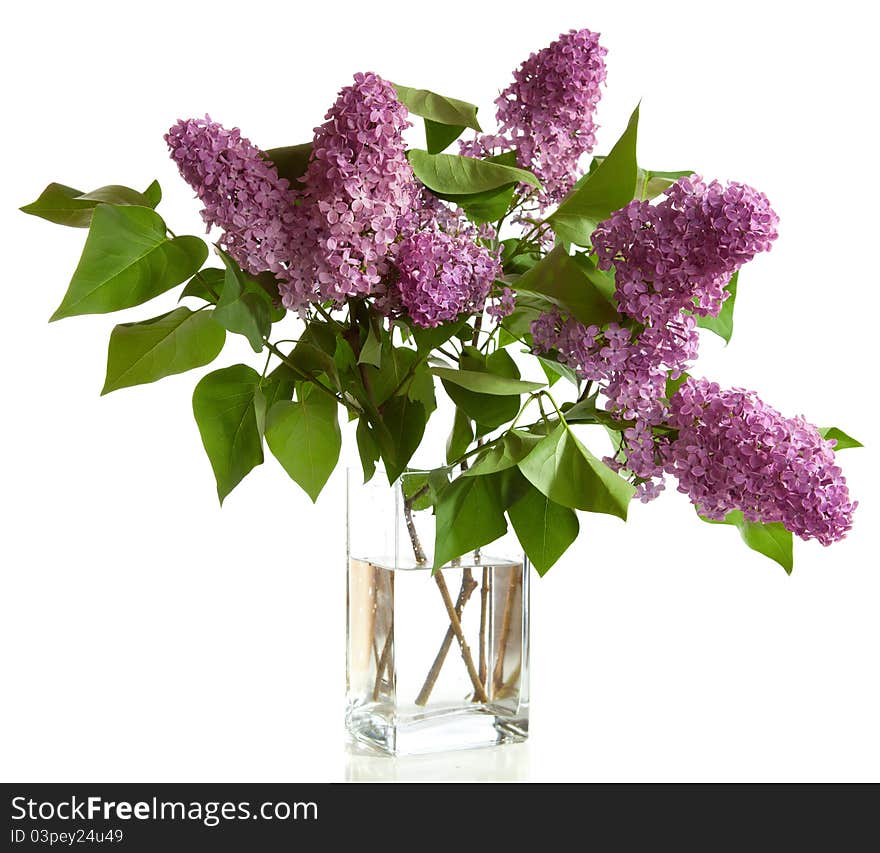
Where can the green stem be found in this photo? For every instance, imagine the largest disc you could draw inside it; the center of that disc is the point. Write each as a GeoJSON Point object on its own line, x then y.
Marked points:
{"type": "Point", "coordinates": [535, 230]}
{"type": "Point", "coordinates": [308, 377]}
{"type": "Point", "coordinates": [327, 316]}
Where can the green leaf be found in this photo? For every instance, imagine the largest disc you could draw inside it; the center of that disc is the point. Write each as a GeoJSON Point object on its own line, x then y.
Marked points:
{"type": "Point", "coordinates": [771, 540]}
{"type": "Point", "coordinates": [128, 259]}
{"type": "Point", "coordinates": [438, 108]}
{"type": "Point", "coordinates": [225, 412]}
{"type": "Point", "coordinates": [515, 262]}
{"type": "Point", "coordinates": [567, 283]}
{"type": "Point", "coordinates": [440, 136]}
{"type": "Point", "coordinates": [455, 175]}
{"type": "Point", "coordinates": [371, 352]}
{"type": "Point", "coordinates": [67, 206]}
{"type": "Point", "coordinates": [485, 383]}
{"type": "Point", "coordinates": [396, 363]}
{"type": "Point", "coordinates": [413, 483]}
{"type": "Point", "coordinates": [512, 485]}
{"type": "Point", "coordinates": [243, 307]}
{"type": "Point", "coordinates": [544, 528]}
{"type": "Point", "coordinates": [429, 339]}
{"type": "Point", "coordinates": [153, 194]}
{"type": "Point", "coordinates": [611, 186]}
{"type": "Point", "coordinates": [198, 286]}
{"type": "Point", "coordinates": [311, 359]}
{"type": "Point", "coordinates": [560, 467]}
{"type": "Point", "coordinates": [266, 285]}
{"type": "Point", "coordinates": [305, 438]}
{"type": "Point", "coordinates": [843, 440]}
{"type": "Point", "coordinates": [722, 325]}
{"type": "Point", "coordinates": [556, 370]}
{"type": "Point", "coordinates": [368, 450]}
{"type": "Point", "coordinates": [404, 425]}
{"type": "Point", "coordinates": [488, 206]}
{"type": "Point", "coordinates": [650, 184]}
{"type": "Point", "coordinates": [504, 454]}
{"type": "Point", "coordinates": [586, 412]}
{"type": "Point", "coordinates": [278, 385]}
{"type": "Point", "coordinates": [172, 343]}
{"type": "Point", "coordinates": [470, 514]}
{"type": "Point", "coordinates": [461, 436]}
{"type": "Point", "coordinates": [291, 161]}
{"type": "Point", "coordinates": [421, 388]}
{"type": "Point", "coordinates": [488, 410]}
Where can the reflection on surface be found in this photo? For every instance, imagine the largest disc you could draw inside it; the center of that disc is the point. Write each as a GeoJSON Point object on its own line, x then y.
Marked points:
{"type": "Point", "coordinates": [494, 764]}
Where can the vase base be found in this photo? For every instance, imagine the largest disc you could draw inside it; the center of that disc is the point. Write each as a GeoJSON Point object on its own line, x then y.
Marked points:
{"type": "Point", "coordinates": [469, 727]}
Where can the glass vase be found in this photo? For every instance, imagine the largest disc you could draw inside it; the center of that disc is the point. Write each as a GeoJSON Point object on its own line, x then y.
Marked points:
{"type": "Point", "coordinates": [436, 660]}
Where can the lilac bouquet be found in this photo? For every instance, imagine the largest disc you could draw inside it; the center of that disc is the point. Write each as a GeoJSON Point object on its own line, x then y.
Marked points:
{"type": "Point", "coordinates": [415, 270]}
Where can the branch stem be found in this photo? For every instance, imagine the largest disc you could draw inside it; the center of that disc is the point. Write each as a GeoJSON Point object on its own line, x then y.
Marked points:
{"type": "Point", "coordinates": [506, 618]}
{"type": "Point", "coordinates": [455, 622]}
{"type": "Point", "coordinates": [468, 585]}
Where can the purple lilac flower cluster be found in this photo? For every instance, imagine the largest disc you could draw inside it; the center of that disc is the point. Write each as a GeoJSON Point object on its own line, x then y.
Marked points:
{"type": "Point", "coordinates": [241, 192]}
{"type": "Point", "coordinates": [359, 205]}
{"type": "Point", "coordinates": [632, 368]}
{"type": "Point", "coordinates": [672, 261]}
{"type": "Point", "coordinates": [679, 254]}
{"type": "Point", "coordinates": [734, 452]}
{"type": "Point", "coordinates": [360, 195]}
{"type": "Point", "coordinates": [443, 275]}
{"type": "Point", "coordinates": [503, 306]}
{"type": "Point", "coordinates": [547, 112]}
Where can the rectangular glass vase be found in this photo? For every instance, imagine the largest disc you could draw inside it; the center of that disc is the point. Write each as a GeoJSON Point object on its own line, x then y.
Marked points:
{"type": "Point", "coordinates": [436, 660]}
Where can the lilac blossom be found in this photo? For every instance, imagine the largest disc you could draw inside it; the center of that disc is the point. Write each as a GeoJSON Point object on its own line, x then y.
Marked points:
{"type": "Point", "coordinates": [546, 113]}
{"type": "Point", "coordinates": [632, 369]}
{"type": "Point", "coordinates": [241, 192]}
{"type": "Point", "coordinates": [443, 275]}
{"type": "Point", "coordinates": [503, 306]}
{"type": "Point", "coordinates": [734, 452]}
{"type": "Point", "coordinates": [360, 196]}
{"type": "Point", "coordinates": [680, 253]}
{"type": "Point", "coordinates": [639, 454]}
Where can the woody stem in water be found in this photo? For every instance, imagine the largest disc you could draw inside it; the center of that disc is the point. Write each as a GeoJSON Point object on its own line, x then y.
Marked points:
{"type": "Point", "coordinates": [452, 610]}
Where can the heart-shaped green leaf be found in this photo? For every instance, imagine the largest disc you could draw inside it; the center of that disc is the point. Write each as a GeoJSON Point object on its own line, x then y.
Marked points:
{"type": "Point", "coordinates": [470, 514]}
{"type": "Point", "coordinates": [561, 468]}
{"type": "Point", "coordinates": [206, 284]}
{"type": "Point", "coordinates": [368, 450]}
{"type": "Point", "coordinates": [128, 259]}
{"type": "Point", "coordinates": [225, 409]}
{"type": "Point", "coordinates": [544, 528]}
{"type": "Point", "coordinates": [152, 349]}
{"type": "Point", "coordinates": [305, 438]}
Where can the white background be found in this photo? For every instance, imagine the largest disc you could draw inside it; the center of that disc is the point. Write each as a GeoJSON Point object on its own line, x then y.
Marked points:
{"type": "Point", "coordinates": [148, 635]}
